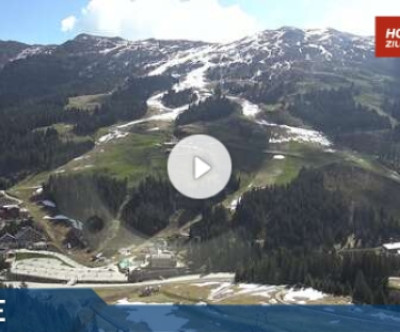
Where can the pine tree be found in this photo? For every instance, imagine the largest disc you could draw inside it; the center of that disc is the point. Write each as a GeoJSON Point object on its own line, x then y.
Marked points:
{"type": "Point", "coordinates": [361, 291]}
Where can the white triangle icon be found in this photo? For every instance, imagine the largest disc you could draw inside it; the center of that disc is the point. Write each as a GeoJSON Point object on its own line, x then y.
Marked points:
{"type": "Point", "coordinates": [200, 168]}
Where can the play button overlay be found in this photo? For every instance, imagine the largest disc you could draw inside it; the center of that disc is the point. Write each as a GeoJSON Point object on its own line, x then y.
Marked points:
{"type": "Point", "coordinates": [199, 167]}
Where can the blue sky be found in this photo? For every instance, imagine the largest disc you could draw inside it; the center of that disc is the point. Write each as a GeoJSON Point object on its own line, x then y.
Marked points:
{"type": "Point", "coordinates": [54, 21]}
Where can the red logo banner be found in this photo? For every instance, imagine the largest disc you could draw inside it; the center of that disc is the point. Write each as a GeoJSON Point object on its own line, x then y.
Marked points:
{"type": "Point", "coordinates": [387, 36]}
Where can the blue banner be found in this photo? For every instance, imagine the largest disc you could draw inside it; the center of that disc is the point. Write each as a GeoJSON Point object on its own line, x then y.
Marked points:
{"type": "Point", "coordinates": [84, 311]}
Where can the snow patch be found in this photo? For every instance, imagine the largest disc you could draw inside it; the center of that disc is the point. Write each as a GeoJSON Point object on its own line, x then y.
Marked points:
{"type": "Point", "coordinates": [112, 136]}
{"type": "Point", "coordinates": [302, 295]}
{"type": "Point", "coordinates": [297, 134]}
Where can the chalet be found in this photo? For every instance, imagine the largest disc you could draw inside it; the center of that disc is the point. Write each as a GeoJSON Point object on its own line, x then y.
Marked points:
{"type": "Point", "coordinates": [58, 219]}
{"type": "Point", "coordinates": [7, 241]}
{"type": "Point", "coordinates": [48, 204]}
{"type": "Point", "coordinates": [76, 224]}
{"type": "Point", "coordinates": [29, 237]}
{"type": "Point", "coordinates": [9, 212]}
{"type": "Point", "coordinates": [24, 213]}
{"type": "Point", "coordinates": [392, 248]}
{"type": "Point", "coordinates": [162, 260]}
{"type": "Point", "coordinates": [7, 200]}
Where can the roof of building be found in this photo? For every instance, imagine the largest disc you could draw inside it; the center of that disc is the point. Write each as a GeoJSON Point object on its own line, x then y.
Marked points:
{"type": "Point", "coordinates": [58, 217]}
{"type": "Point", "coordinates": [7, 237]}
{"type": "Point", "coordinates": [162, 255]}
{"type": "Point", "coordinates": [29, 234]}
{"type": "Point", "coordinates": [48, 203]}
{"type": "Point", "coordinates": [10, 207]}
{"type": "Point", "coordinates": [392, 246]}
{"type": "Point", "coordinates": [76, 224]}
{"type": "Point", "coordinates": [7, 200]}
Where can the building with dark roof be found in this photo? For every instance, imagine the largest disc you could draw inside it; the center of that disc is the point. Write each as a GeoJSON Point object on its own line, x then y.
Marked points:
{"type": "Point", "coordinates": [28, 236]}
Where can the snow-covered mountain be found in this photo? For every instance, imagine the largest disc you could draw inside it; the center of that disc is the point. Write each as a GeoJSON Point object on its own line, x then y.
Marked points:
{"type": "Point", "coordinates": [271, 48]}
{"type": "Point", "coordinates": [93, 64]}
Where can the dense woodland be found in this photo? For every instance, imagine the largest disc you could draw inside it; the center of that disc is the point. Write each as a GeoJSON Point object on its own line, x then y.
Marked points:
{"type": "Point", "coordinates": [153, 202]}
{"type": "Point", "coordinates": [175, 99]}
{"type": "Point", "coordinates": [268, 92]}
{"type": "Point", "coordinates": [29, 144]}
{"type": "Point", "coordinates": [300, 234]}
{"type": "Point", "coordinates": [125, 104]}
{"type": "Point", "coordinates": [86, 196]}
{"type": "Point", "coordinates": [213, 108]}
{"type": "Point", "coordinates": [335, 112]}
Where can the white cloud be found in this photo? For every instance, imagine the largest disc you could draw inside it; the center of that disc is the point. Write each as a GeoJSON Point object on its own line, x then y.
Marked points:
{"type": "Point", "coordinates": [357, 16]}
{"type": "Point", "coordinates": [68, 23]}
{"type": "Point", "coordinates": [165, 19]}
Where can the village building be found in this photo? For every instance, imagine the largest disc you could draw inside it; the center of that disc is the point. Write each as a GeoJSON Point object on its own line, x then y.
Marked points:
{"type": "Point", "coordinates": [48, 204]}
{"type": "Point", "coordinates": [7, 242]}
{"type": "Point", "coordinates": [8, 212]}
{"type": "Point", "coordinates": [162, 260]}
{"type": "Point", "coordinates": [27, 238]}
{"type": "Point", "coordinates": [392, 248]}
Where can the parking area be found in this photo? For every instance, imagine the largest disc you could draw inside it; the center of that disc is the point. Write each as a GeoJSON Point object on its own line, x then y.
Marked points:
{"type": "Point", "coordinates": [59, 268]}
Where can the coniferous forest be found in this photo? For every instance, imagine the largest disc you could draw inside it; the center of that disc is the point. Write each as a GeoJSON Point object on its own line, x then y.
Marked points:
{"type": "Point", "coordinates": [300, 234]}
{"type": "Point", "coordinates": [28, 143]}
{"type": "Point", "coordinates": [213, 108]}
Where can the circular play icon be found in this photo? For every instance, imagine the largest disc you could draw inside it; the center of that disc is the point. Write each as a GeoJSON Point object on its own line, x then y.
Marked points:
{"type": "Point", "coordinates": [199, 167]}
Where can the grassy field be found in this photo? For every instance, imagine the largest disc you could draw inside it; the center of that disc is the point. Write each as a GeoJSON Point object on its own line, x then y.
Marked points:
{"type": "Point", "coordinates": [192, 293]}
{"type": "Point", "coordinates": [142, 153]}
{"type": "Point", "coordinates": [87, 103]}
{"type": "Point", "coordinates": [133, 157]}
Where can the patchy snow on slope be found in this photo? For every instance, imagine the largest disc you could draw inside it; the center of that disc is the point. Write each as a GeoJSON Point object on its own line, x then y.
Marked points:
{"type": "Point", "coordinates": [225, 290]}
{"type": "Point", "coordinates": [248, 108]}
{"type": "Point", "coordinates": [31, 51]}
{"type": "Point", "coordinates": [301, 295]}
{"type": "Point", "coordinates": [156, 102]}
{"type": "Point", "coordinates": [195, 79]}
{"type": "Point", "coordinates": [112, 136]}
{"type": "Point", "coordinates": [132, 123]}
{"type": "Point", "coordinates": [182, 57]}
{"type": "Point", "coordinates": [256, 290]}
{"type": "Point", "coordinates": [221, 291]}
{"type": "Point", "coordinates": [206, 284]}
{"type": "Point", "coordinates": [234, 204]}
{"type": "Point", "coordinates": [279, 157]}
{"type": "Point", "coordinates": [296, 134]}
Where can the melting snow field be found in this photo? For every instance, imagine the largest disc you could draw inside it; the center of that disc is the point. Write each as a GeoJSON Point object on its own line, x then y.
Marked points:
{"type": "Point", "coordinates": [235, 203]}
{"type": "Point", "coordinates": [156, 102]}
{"type": "Point", "coordinates": [249, 109]}
{"type": "Point", "coordinates": [112, 136]}
{"type": "Point", "coordinates": [302, 295]}
{"type": "Point", "coordinates": [195, 79]}
{"type": "Point", "coordinates": [223, 290]}
{"type": "Point", "coordinates": [297, 134]}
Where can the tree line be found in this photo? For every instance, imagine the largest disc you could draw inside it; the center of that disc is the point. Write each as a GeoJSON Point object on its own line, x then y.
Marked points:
{"type": "Point", "coordinates": [335, 111]}
{"type": "Point", "coordinates": [213, 108]}
{"type": "Point", "coordinates": [300, 234]}
{"type": "Point", "coordinates": [29, 144]}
